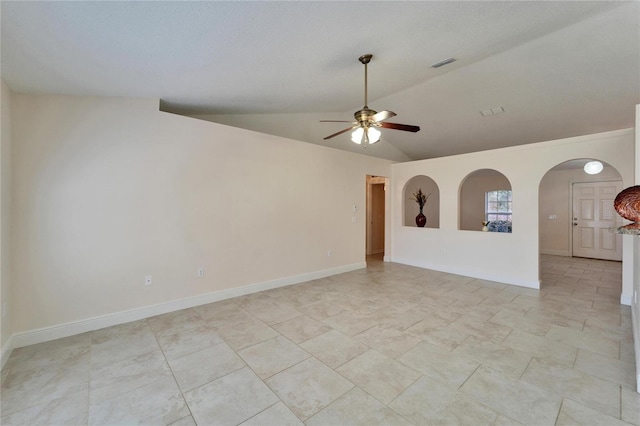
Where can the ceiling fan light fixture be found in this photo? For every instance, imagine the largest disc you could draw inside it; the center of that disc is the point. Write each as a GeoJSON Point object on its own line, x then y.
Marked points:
{"type": "Point", "coordinates": [356, 136]}
{"type": "Point", "coordinates": [593, 167]}
{"type": "Point", "coordinates": [373, 135]}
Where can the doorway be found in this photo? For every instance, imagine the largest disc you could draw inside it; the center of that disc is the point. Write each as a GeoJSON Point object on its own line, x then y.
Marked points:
{"type": "Point", "coordinates": [376, 186]}
{"type": "Point", "coordinates": [593, 216]}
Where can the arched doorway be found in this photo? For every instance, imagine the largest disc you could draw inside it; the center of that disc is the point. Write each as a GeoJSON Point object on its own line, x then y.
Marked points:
{"type": "Point", "coordinates": [576, 211]}
{"type": "Point", "coordinates": [579, 256]}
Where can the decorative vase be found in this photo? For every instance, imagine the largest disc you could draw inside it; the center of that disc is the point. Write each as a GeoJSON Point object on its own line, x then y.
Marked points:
{"type": "Point", "coordinates": [421, 219]}
{"type": "Point", "coordinates": [485, 228]}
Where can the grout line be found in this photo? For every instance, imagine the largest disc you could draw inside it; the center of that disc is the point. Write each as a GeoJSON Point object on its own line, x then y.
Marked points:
{"type": "Point", "coordinates": [559, 411]}
{"type": "Point", "coordinates": [468, 377]}
{"type": "Point", "coordinates": [620, 413]}
{"type": "Point", "coordinates": [175, 379]}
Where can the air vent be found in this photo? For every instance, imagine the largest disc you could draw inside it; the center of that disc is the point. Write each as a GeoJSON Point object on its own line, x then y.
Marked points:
{"type": "Point", "coordinates": [443, 63]}
{"type": "Point", "coordinates": [492, 111]}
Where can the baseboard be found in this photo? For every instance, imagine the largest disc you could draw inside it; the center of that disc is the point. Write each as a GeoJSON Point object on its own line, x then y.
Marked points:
{"type": "Point", "coordinates": [625, 299]}
{"type": "Point", "coordinates": [534, 284]}
{"type": "Point", "coordinates": [6, 351]}
{"type": "Point", "coordinates": [556, 252]}
{"type": "Point", "coordinates": [77, 327]}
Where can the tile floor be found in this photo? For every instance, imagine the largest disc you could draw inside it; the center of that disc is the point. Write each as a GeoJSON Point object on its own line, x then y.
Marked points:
{"type": "Point", "coordinates": [392, 345]}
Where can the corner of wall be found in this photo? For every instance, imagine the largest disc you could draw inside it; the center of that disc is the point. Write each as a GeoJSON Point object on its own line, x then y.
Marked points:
{"type": "Point", "coordinates": [5, 222]}
{"type": "Point", "coordinates": [635, 306]}
{"type": "Point", "coordinates": [5, 352]}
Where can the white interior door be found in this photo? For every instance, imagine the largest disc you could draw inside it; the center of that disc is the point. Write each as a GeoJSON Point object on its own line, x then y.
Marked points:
{"type": "Point", "coordinates": [593, 215]}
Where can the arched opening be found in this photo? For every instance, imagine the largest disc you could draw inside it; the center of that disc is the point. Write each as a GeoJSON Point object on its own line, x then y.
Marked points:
{"type": "Point", "coordinates": [485, 203]}
{"type": "Point", "coordinates": [578, 251]}
{"type": "Point", "coordinates": [576, 211]}
{"type": "Point", "coordinates": [410, 206]}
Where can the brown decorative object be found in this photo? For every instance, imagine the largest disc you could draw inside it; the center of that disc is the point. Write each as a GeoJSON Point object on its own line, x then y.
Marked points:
{"type": "Point", "coordinates": [420, 198]}
{"type": "Point", "coordinates": [627, 203]}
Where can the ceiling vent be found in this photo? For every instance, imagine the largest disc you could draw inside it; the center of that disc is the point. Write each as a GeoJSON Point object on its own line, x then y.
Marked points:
{"type": "Point", "coordinates": [443, 63]}
{"type": "Point", "coordinates": [492, 111]}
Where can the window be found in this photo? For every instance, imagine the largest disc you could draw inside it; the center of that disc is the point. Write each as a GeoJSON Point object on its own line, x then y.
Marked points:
{"type": "Point", "coordinates": [498, 205]}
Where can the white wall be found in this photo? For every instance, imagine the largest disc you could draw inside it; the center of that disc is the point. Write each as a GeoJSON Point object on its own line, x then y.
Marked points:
{"type": "Point", "coordinates": [510, 258]}
{"type": "Point", "coordinates": [5, 224]}
{"type": "Point", "coordinates": [107, 191]}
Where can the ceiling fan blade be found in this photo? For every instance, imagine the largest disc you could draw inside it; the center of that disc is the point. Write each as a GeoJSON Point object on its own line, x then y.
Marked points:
{"type": "Point", "coordinates": [396, 126]}
{"type": "Point", "coordinates": [383, 115]}
{"type": "Point", "coordinates": [339, 133]}
{"type": "Point", "coordinates": [335, 121]}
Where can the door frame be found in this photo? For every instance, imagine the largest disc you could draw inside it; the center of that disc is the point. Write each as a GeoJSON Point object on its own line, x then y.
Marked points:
{"type": "Point", "coordinates": [370, 181]}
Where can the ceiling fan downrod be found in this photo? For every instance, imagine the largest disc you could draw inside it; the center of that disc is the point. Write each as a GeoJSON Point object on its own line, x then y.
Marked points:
{"type": "Point", "coordinates": [365, 59]}
{"type": "Point", "coordinates": [362, 116]}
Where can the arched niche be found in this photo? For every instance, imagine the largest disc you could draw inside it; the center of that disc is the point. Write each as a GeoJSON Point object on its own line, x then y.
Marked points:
{"type": "Point", "coordinates": [473, 191]}
{"type": "Point", "coordinates": [411, 208]}
{"type": "Point", "coordinates": [556, 230]}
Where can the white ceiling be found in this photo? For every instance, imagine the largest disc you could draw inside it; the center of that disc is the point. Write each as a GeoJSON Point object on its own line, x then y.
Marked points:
{"type": "Point", "coordinates": [559, 69]}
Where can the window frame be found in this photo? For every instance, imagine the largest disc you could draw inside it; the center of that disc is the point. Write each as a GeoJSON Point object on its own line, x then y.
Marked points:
{"type": "Point", "coordinates": [492, 216]}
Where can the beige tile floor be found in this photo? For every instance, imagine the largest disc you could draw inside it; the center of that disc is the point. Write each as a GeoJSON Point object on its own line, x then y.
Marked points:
{"type": "Point", "coordinates": [392, 345]}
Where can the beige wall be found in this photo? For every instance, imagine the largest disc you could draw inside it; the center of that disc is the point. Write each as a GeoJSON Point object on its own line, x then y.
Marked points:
{"type": "Point", "coordinates": [472, 197]}
{"type": "Point", "coordinates": [107, 191]}
{"type": "Point", "coordinates": [555, 200]}
{"type": "Point", "coordinates": [5, 218]}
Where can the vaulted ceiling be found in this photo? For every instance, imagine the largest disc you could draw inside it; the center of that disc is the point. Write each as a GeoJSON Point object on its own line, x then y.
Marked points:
{"type": "Point", "coordinates": [557, 69]}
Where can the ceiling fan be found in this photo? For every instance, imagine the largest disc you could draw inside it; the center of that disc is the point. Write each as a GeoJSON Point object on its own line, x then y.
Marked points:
{"type": "Point", "coordinates": [367, 120]}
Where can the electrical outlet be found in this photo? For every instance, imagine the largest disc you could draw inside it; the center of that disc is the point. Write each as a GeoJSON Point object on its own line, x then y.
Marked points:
{"type": "Point", "coordinates": [5, 309]}
{"type": "Point", "coordinates": [147, 280]}
{"type": "Point", "coordinates": [201, 272]}
{"type": "Point", "coordinates": [329, 253]}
